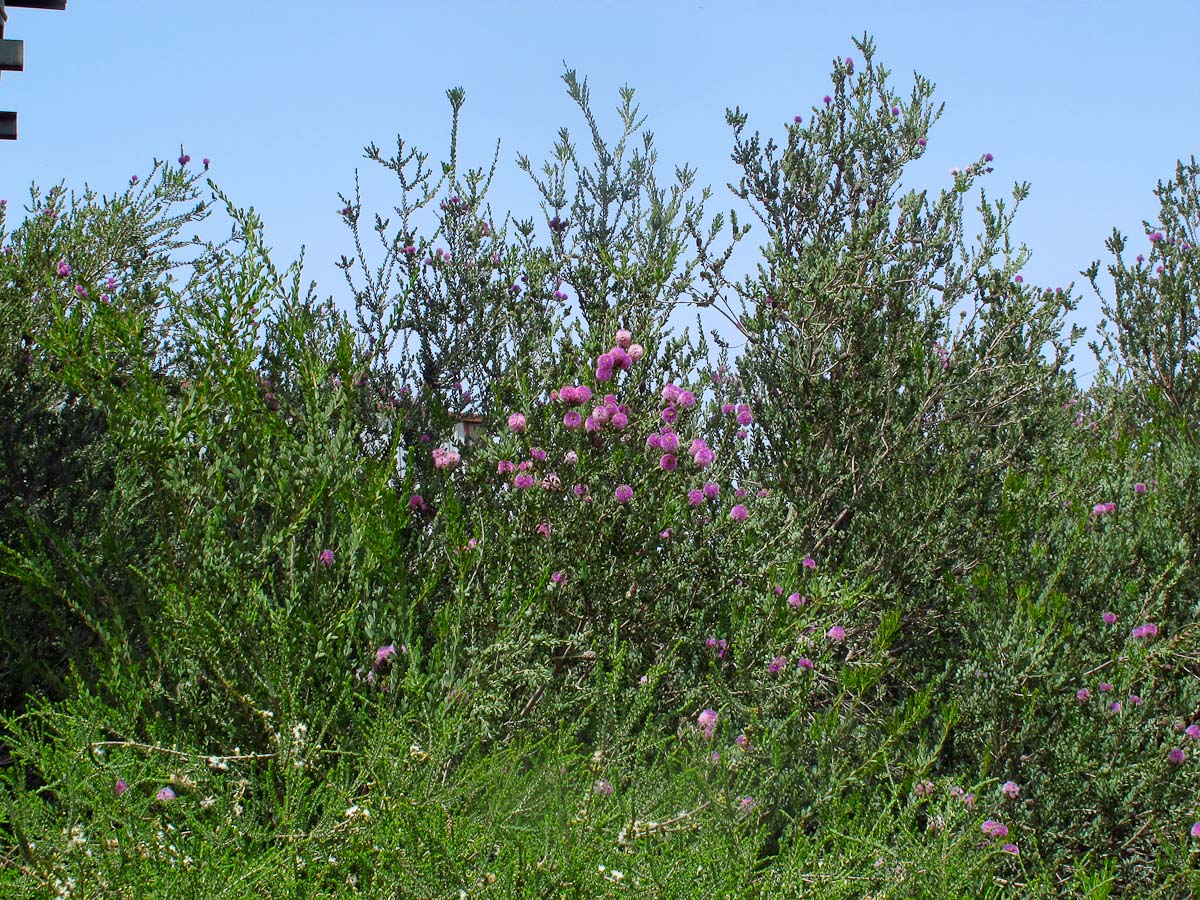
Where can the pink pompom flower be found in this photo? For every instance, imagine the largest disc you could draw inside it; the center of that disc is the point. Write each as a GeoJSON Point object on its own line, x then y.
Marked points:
{"type": "Point", "coordinates": [994, 829]}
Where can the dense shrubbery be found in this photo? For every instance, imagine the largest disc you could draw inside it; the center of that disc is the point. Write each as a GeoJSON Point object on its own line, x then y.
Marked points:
{"type": "Point", "coordinates": [881, 604]}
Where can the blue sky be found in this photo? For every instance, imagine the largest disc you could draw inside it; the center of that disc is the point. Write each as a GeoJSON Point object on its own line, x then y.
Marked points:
{"type": "Point", "coordinates": [1090, 102]}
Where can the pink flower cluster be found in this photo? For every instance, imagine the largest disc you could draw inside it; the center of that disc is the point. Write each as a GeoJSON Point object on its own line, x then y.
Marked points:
{"type": "Point", "coordinates": [1147, 630]}
{"type": "Point", "coordinates": [994, 829]}
{"type": "Point", "coordinates": [623, 354]}
{"type": "Point", "coordinates": [572, 395]}
{"type": "Point", "coordinates": [1103, 509]}
{"type": "Point", "coordinates": [445, 459]}
{"type": "Point", "coordinates": [701, 453]}
{"type": "Point", "coordinates": [609, 412]}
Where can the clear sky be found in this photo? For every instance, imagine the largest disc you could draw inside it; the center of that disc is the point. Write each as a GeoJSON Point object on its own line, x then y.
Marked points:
{"type": "Point", "coordinates": [1091, 102]}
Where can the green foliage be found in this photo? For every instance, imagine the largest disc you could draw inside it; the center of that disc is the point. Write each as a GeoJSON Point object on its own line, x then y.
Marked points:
{"type": "Point", "coordinates": [812, 618]}
{"type": "Point", "coordinates": [1152, 332]}
{"type": "Point", "coordinates": [883, 344]}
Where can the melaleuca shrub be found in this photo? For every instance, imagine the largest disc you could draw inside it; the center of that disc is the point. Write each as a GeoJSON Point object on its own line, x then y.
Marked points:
{"type": "Point", "coordinates": [599, 516]}
{"type": "Point", "coordinates": [461, 315]}
{"type": "Point", "coordinates": [78, 265]}
{"type": "Point", "coordinates": [454, 307]}
{"type": "Point", "coordinates": [896, 369]}
{"type": "Point", "coordinates": [464, 319]}
{"type": "Point", "coordinates": [1070, 675]}
{"type": "Point", "coordinates": [246, 549]}
{"type": "Point", "coordinates": [1150, 338]}
{"type": "Point", "coordinates": [1148, 348]}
